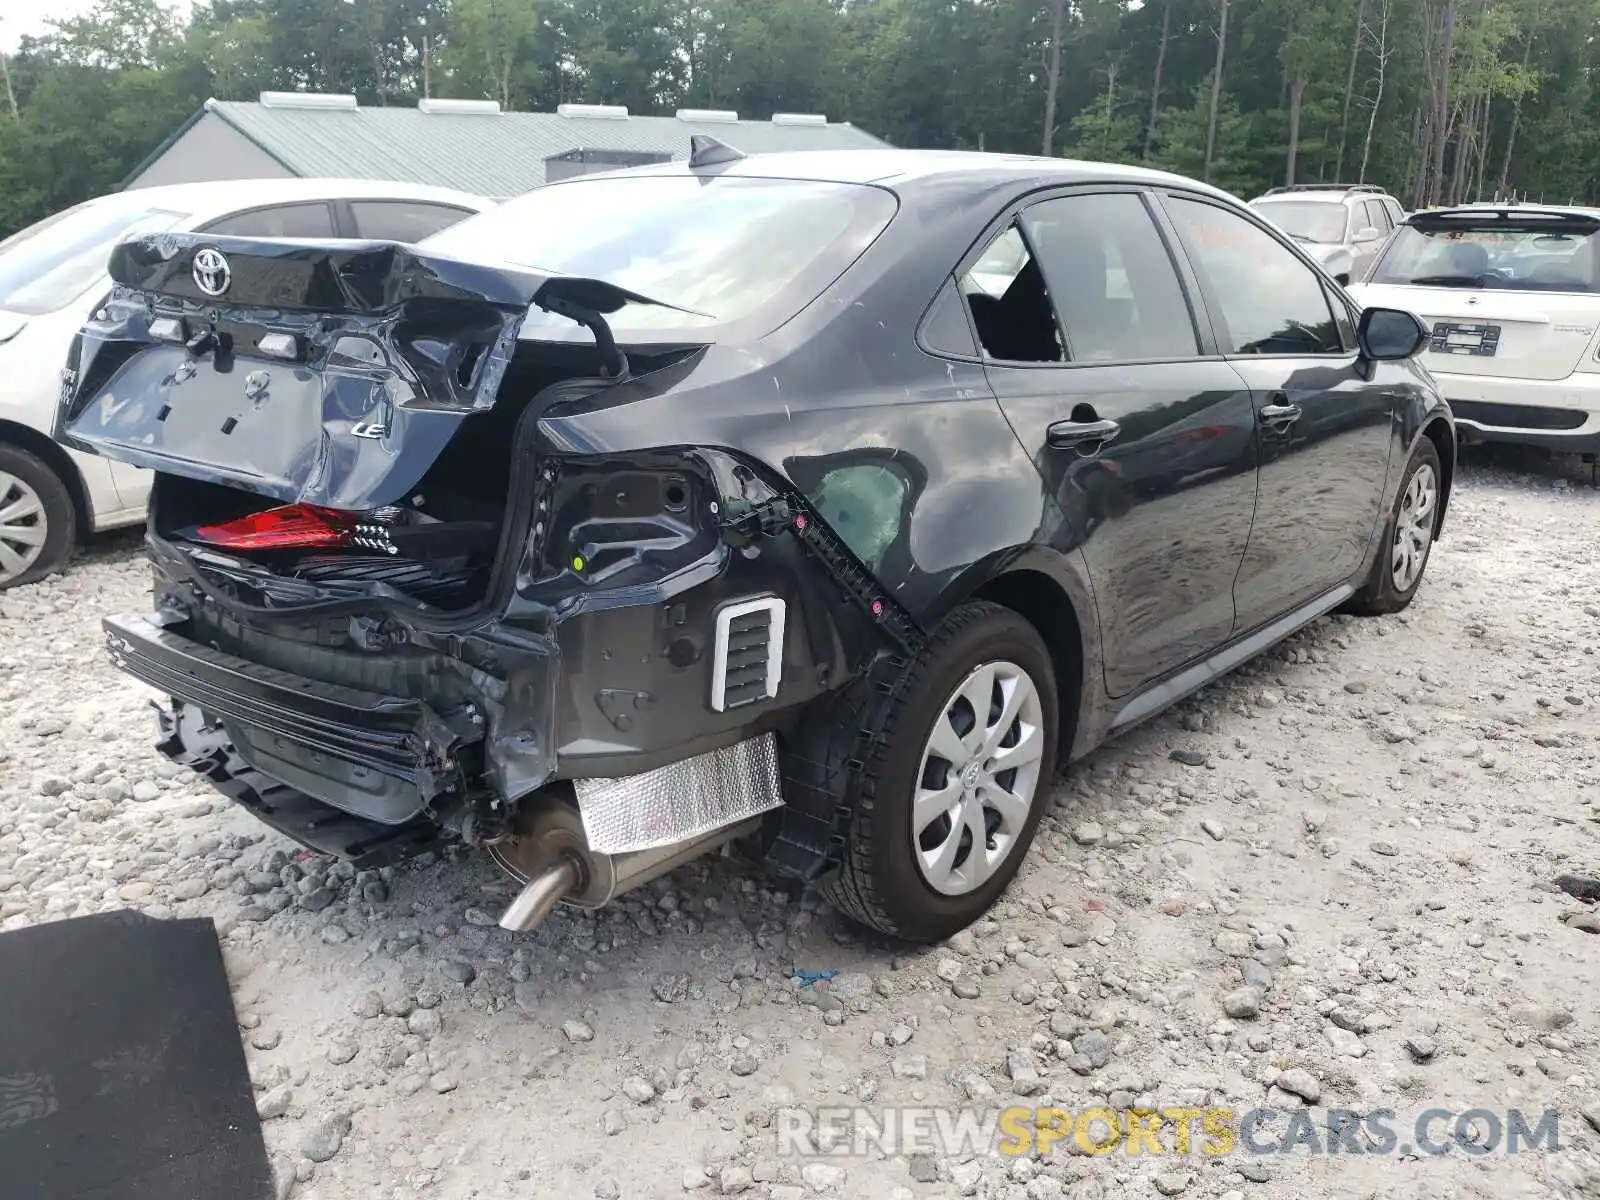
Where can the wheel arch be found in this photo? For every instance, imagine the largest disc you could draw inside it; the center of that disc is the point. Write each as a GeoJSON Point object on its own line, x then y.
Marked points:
{"type": "Point", "coordinates": [50, 453]}
{"type": "Point", "coordinates": [1442, 434]}
{"type": "Point", "coordinates": [1040, 585]}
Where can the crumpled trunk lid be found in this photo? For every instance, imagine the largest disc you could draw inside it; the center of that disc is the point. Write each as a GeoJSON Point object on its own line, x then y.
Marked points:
{"type": "Point", "coordinates": [331, 375]}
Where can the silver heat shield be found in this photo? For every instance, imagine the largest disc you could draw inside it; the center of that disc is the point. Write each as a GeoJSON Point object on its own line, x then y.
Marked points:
{"type": "Point", "coordinates": [684, 800]}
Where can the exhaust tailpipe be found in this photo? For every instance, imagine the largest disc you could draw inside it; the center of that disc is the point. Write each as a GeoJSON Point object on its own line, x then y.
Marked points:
{"type": "Point", "coordinates": [543, 892]}
{"type": "Point", "coordinates": [549, 855]}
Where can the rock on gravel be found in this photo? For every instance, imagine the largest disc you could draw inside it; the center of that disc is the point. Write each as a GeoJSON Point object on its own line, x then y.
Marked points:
{"type": "Point", "coordinates": [1299, 1082]}
{"type": "Point", "coordinates": [274, 1102]}
{"type": "Point", "coordinates": [1242, 1004]}
{"type": "Point", "coordinates": [1591, 1114]}
{"type": "Point", "coordinates": [325, 1138]}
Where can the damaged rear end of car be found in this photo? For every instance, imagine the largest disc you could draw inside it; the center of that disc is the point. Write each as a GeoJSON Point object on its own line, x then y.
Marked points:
{"type": "Point", "coordinates": [390, 609]}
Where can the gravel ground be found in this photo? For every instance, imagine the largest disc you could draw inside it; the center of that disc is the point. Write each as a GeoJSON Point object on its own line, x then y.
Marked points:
{"type": "Point", "coordinates": [1326, 880]}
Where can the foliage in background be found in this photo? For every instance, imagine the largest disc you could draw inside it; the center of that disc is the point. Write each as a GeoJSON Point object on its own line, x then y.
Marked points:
{"type": "Point", "coordinates": [1438, 100]}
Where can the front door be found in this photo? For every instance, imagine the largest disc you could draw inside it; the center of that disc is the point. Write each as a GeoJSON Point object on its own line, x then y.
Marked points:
{"type": "Point", "coordinates": [1326, 429]}
{"type": "Point", "coordinates": [1143, 434]}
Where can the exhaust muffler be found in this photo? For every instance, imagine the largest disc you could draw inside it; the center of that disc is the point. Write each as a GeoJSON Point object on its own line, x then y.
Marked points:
{"type": "Point", "coordinates": [549, 855]}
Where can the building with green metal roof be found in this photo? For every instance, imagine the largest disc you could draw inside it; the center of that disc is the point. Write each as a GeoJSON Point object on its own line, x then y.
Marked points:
{"type": "Point", "coordinates": [466, 144]}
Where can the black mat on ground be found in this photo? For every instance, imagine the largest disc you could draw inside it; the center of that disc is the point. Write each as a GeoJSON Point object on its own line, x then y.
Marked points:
{"type": "Point", "coordinates": [121, 1072]}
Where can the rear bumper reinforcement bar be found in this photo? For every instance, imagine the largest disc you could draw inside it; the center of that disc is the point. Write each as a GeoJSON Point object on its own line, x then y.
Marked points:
{"type": "Point", "coordinates": [394, 735]}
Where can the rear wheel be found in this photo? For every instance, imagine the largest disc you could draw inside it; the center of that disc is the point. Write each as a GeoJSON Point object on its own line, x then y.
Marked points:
{"type": "Point", "coordinates": [1408, 538]}
{"type": "Point", "coordinates": [950, 793]}
{"type": "Point", "coordinates": [37, 520]}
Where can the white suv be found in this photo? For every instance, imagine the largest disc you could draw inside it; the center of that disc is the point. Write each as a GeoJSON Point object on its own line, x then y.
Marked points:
{"type": "Point", "coordinates": [1342, 226]}
{"type": "Point", "coordinates": [1512, 294]}
{"type": "Point", "coordinates": [52, 274]}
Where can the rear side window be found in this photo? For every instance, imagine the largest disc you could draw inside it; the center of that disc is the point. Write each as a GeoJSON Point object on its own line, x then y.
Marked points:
{"type": "Point", "coordinates": [946, 328]}
{"type": "Point", "coordinates": [1270, 301]}
{"type": "Point", "coordinates": [278, 221]}
{"type": "Point", "coordinates": [1112, 280]}
{"type": "Point", "coordinates": [709, 249]}
{"type": "Point", "coordinates": [403, 220]}
{"type": "Point", "coordinates": [1010, 305]}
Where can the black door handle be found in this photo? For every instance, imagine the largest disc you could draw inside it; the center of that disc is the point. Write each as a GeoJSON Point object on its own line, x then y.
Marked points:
{"type": "Point", "coordinates": [1080, 433]}
{"type": "Point", "coordinates": [1279, 416]}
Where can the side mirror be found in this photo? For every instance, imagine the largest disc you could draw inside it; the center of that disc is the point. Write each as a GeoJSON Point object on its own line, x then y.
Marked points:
{"type": "Point", "coordinates": [1390, 335]}
{"type": "Point", "coordinates": [1369, 234]}
{"type": "Point", "coordinates": [1342, 278]}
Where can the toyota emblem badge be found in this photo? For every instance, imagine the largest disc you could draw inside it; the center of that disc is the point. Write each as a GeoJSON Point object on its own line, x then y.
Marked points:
{"type": "Point", "coordinates": [211, 273]}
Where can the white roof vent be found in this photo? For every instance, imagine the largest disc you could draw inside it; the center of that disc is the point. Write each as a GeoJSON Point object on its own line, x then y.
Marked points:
{"type": "Point", "coordinates": [605, 112]}
{"type": "Point", "coordinates": [706, 116]}
{"type": "Point", "coordinates": [462, 108]}
{"type": "Point", "coordinates": [337, 100]}
{"type": "Point", "coordinates": [799, 119]}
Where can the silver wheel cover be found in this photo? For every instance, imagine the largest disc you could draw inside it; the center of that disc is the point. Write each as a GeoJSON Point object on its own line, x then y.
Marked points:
{"type": "Point", "coordinates": [1413, 528]}
{"type": "Point", "coordinates": [978, 778]}
{"type": "Point", "coordinates": [23, 527]}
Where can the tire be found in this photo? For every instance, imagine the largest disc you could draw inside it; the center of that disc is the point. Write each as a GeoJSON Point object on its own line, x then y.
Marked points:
{"type": "Point", "coordinates": [38, 521]}
{"type": "Point", "coordinates": [1389, 589]}
{"type": "Point", "coordinates": [882, 882]}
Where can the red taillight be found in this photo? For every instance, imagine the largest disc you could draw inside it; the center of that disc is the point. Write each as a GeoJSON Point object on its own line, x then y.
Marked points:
{"type": "Point", "coordinates": [292, 527]}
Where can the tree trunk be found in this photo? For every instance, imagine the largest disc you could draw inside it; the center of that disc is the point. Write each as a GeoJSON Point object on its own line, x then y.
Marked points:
{"type": "Point", "coordinates": [1057, 8]}
{"type": "Point", "coordinates": [1441, 132]}
{"type": "Point", "coordinates": [11, 95]}
{"type": "Point", "coordinates": [1464, 126]}
{"type": "Point", "coordinates": [1155, 86]}
{"type": "Point", "coordinates": [426, 48]}
{"type": "Point", "coordinates": [1111, 104]}
{"type": "Point", "coordinates": [1350, 87]}
{"type": "Point", "coordinates": [1516, 120]}
{"type": "Point", "coordinates": [379, 77]}
{"type": "Point", "coordinates": [1483, 148]}
{"type": "Point", "coordinates": [1382, 56]}
{"type": "Point", "coordinates": [1297, 92]}
{"type": "Point", "coordinates": [1422, 156]}
{"type": "Point", "coordinates": [1216, 91]}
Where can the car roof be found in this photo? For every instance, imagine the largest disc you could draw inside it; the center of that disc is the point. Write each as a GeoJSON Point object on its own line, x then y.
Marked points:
{"type": "Point", "coordinates": [910, 170]}
{"type": "Point", "coordinates": [202, 201]}
{"type": "Point", "coordinates": [1320, 195]}
{"type": "Point", "coordinates": [1554, 210]}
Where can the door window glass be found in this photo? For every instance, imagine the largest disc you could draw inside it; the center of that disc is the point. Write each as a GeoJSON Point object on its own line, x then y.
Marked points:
{"type": "Point", "coordinates": [1270, 302]}
{"type": "Point", "coordinates": [402, 220]}
{"type": "Point", "coordinates": [1010, 305]}
{"type": "Point", "coordinates": [1111, 277]}
{"type": "Point", "coordinates": [279, 221]}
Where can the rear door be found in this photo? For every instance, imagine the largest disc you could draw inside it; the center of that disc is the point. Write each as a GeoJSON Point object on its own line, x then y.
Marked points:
{"type": "Point", "coordinates": [1325, 428]}
{"type": "Point", "coordinates": [1144, 435]}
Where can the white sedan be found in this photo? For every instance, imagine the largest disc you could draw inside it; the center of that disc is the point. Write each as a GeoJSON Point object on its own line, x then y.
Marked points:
{"type": "Point", "coordinates": [52, 274]}
{"type": "Point", "coordinates": [1512, 295]}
